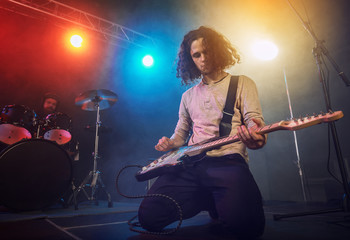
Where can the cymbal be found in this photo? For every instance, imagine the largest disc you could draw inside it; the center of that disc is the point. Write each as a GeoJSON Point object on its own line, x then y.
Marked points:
{"type": "Point", "coordinates": [91, 99]}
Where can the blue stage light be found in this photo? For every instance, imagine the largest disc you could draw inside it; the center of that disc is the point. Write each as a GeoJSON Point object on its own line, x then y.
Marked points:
{"type": "Point", "coordinates": [148, 61]}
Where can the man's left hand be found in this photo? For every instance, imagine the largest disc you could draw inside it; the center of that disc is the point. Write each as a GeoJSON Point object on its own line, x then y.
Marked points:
{"type": "Point", "coordinates": [249, 136]}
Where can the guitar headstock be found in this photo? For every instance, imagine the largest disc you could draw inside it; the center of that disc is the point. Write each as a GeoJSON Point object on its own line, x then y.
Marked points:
{"type": "Point", "coordinates": [300, 123]}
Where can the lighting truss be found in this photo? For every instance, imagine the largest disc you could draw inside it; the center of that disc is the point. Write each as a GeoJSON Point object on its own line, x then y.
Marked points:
{"type": "Point", "coordinates": [107, 30]}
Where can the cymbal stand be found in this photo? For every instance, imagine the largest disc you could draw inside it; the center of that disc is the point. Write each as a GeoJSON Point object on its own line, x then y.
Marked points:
{"type": "Point", "coordinates": [94, 175]}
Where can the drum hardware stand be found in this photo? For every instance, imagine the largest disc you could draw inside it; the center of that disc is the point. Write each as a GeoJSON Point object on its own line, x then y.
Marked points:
{"type": "Point", "coordinates": [318, 51]}
{"type": "Point", "coordinates": [94, 175]}
{"type": "Point", "coordinates": [38, 131]}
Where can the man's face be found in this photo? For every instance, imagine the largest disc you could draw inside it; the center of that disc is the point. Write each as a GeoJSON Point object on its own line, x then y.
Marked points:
{"type": "Point", "coordinates": [50, 105]}
{"type": "Point", "coordinates": [201, 57]}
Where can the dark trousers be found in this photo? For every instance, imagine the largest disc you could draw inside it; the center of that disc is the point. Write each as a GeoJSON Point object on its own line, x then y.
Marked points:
{"type": "Point", "coordinates": [224, 186]}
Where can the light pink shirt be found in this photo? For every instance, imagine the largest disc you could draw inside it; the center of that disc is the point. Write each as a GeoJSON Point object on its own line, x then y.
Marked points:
{"type": "Point", "coordinates": [201, 111]}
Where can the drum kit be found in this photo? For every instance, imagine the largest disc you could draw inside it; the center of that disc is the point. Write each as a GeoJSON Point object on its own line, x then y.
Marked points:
{"type": "Point", "coordinates": [35, 167]}
{"type": "Point", "coordinates": [19, 122]}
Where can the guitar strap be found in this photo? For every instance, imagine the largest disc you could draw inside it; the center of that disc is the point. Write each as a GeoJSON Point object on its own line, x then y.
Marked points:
{"type": "Point", "coordinates": [225, 124]}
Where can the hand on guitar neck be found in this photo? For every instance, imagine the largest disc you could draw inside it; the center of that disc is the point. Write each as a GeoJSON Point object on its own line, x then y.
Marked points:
{"type": "Point", "coordinates": [250, 137]}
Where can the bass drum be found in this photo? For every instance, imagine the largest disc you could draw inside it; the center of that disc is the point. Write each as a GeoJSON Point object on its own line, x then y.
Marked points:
{"type": "Point", "coordinates": [34, 174]}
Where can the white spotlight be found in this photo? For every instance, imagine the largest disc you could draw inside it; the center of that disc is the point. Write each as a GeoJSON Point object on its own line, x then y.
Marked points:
{"type": "Point", "coordinates": [264, 50]}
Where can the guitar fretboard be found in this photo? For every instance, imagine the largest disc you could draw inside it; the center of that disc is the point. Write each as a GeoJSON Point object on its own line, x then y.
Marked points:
{"type": "Point", "coordinates": [294, 124]}
{"type": "Point", "coordinates": [230, 139]}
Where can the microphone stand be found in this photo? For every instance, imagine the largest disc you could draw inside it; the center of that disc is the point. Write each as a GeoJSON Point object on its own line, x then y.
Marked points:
{"type": "Point", "coordinates": [318, 51]}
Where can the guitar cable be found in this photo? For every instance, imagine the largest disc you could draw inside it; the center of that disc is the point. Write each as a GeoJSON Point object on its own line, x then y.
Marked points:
{"type": "Point", "coordinates": [137, 224]}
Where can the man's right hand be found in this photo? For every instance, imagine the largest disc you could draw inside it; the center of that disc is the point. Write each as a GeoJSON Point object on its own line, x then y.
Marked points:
{"type": "Point", "coordinates": [165, 144]}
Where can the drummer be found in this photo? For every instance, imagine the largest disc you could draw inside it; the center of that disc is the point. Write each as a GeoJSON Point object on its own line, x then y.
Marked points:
{"type": "Point", "coordinates": [49, 105]}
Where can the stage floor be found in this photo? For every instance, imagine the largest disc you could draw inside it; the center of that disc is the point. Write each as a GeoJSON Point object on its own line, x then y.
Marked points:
{"type": "Point", "coordinates": [100, 222]}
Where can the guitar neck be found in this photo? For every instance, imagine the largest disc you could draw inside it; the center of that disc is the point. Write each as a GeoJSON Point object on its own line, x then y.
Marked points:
{"type": "Point", "coordinates": [196, 149]}
{"type": "Point", "coordinates": [291, 125]}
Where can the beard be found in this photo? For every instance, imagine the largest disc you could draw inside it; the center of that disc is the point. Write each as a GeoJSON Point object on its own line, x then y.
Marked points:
{"type": "Point", "coordinates": [49, 110]}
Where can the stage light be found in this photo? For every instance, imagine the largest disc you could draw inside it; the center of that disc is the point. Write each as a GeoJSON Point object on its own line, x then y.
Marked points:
{"type": "Point", "coordinates": [264, 50]}
{"type": "Point", "coordinates": [147, 61]}
{"type": "Point", "coordinates": [76, 41]}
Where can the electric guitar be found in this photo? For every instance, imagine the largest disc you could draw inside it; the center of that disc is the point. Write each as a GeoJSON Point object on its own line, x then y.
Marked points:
{"type": "Point", "coordinates": [176, 158]}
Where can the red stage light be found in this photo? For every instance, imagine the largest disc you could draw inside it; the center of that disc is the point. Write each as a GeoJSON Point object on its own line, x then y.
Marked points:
{"type": "Point", "coordinates": [76, 41]}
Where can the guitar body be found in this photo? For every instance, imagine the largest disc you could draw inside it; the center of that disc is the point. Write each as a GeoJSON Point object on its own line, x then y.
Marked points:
{"type": "Point", "coordinates": [172, 161]}
{"type": "Point", "coordinates": [178, 158]}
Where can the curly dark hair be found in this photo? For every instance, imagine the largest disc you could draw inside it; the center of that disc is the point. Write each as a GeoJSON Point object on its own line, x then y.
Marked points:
{"type": "Point", "coordinates": [221, 51]}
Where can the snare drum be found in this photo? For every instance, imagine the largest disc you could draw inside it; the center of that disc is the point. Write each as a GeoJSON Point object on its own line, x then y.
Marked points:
{"type": "Point", "coordinates": [34, 174]}
{"type": "Point", "coordinates": [17, 123]}
{"type": "Point", "coordinates": [57, 128]}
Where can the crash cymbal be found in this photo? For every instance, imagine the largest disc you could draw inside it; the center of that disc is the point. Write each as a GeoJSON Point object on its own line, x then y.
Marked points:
{"type": "Point", "coordinates": [91, 99]}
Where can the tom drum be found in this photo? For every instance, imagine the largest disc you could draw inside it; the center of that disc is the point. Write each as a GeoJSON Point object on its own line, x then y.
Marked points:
{"type": "Point", "coordinates": [57, 128]}
{"type": "Point", "coordinates": [17, 123]}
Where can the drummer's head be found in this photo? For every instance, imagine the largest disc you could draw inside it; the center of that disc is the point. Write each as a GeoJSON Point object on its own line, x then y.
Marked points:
{"type": "Point", "coordinates": [50, 103]}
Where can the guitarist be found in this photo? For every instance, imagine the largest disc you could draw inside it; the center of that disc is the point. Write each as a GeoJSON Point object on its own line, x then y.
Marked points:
{"type": "Point", "coordinates": [221, 182]}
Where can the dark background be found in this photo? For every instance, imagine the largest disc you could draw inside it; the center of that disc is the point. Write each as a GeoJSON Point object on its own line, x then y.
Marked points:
{"type": "Point", "coordinates": [35, 58]}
